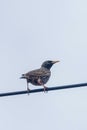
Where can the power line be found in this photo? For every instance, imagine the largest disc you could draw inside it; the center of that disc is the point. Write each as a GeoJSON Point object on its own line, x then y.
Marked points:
{"type": "Point", "coordinates": [41, 90]}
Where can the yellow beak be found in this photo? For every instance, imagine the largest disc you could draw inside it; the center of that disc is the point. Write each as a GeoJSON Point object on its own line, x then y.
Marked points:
{"type": "Point", "coordinates": [55, 61]}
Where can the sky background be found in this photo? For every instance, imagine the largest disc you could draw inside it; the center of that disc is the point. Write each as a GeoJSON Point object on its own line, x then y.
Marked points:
{"type": "Point", "coordinates": [30, 33]}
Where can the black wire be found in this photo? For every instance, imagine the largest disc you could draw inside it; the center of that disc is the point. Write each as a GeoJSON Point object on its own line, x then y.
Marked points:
{"type": "Point", "coordinates": [41, 90]}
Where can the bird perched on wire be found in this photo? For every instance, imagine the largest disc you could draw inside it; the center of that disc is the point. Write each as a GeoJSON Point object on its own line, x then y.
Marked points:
{"type": "Point", "coordinates": [39, 77]}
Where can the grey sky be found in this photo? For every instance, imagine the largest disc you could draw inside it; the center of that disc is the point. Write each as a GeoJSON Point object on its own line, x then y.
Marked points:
{"type": "Point", "coordinates": [32, 32]}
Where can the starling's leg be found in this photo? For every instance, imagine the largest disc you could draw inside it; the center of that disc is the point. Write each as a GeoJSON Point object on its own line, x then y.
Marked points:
{"type": "Point", "coordinates": [28, 90]}
{"type": "Point", "coordinates": [45, 88]}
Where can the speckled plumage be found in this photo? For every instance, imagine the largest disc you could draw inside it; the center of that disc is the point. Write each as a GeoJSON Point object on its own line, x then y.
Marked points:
{"type": "Point", "coordinates": [40, 76]}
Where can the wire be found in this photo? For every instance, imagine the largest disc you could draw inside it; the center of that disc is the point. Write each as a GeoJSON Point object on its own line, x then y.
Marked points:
{"type": "Point", "coordinates": [41, 90]}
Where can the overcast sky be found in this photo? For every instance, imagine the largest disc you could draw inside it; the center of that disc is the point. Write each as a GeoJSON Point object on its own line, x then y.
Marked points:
{"type": "Point", "coordinates": [32, 31]}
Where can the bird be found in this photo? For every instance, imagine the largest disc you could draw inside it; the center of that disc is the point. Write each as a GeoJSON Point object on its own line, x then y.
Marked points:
{"type": "Point", "coordinates": [39, 77]}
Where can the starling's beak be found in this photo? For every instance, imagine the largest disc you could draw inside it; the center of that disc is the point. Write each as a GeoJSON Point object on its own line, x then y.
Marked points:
{"type": "Point", "coordinates": [23, 76]}
{"type": "Point", "coordinates": [55, 61]}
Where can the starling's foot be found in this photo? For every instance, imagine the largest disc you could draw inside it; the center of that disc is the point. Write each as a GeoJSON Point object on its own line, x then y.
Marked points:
{"type": "Point", "coordinates": [28, 91]}
{"type": "Point", "coordinates": [45, 89]}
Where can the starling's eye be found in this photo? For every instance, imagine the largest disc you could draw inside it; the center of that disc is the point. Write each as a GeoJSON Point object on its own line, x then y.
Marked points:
{"type": "Point", "coordinates": [49, 62]}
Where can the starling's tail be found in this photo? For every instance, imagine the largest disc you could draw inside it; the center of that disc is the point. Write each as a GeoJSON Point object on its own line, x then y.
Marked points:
{"type": "Point", "coordinates": [23, 76]}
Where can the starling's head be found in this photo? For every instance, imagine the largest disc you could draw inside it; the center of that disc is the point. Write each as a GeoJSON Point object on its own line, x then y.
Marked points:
{"type": "Point", "coordinates": [23, 76]}
{"type": "Point", "coordinates": [48, 64]}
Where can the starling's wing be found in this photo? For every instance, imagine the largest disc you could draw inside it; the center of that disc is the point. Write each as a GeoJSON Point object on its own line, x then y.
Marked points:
{"type": "Point", "coordinates": [38, 73]}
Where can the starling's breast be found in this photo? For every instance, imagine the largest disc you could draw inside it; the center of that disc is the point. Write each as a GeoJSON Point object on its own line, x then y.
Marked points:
{"type": "Point", "coordinates": [44, 79]}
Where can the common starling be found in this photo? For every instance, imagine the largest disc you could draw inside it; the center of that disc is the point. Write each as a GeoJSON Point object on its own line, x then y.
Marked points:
{"type": "Point", "coordinates": [39, 77]}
